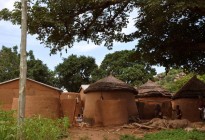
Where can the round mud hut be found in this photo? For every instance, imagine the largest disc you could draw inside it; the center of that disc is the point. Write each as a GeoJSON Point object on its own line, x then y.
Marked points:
{"type": "Point", "coordinates": [190, 98]}
{"type": "Point", "coordinates": [150, 95]}
{"type": "Point", "coordinates": [109, 101]}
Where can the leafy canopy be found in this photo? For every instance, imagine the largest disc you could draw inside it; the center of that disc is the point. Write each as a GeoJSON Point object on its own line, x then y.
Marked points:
{"type": "Point", "coordinates": [63, 22]}
{"type": "Point", "coordinates": [171, 33]}
{"type": "Point", "coordinates": [75, 71]}
{"type": "Point", "coordinates": [122, 65]}
{"type": "Point", "coordinates": [9, 67]}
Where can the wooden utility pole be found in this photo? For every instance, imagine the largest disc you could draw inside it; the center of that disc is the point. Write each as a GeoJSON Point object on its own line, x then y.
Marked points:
{"type": "Point", "coordinates": [23, 65]}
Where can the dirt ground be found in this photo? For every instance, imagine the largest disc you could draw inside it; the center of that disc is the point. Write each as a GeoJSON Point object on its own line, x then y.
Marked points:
{"type": "Point", "coordinates": [104, 133]}
{"type": "Point", "coordinates": [139, 130]}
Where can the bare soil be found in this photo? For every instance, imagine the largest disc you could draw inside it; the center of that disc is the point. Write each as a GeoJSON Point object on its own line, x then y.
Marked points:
{"type": "Point", "coordinates": [105, 133]}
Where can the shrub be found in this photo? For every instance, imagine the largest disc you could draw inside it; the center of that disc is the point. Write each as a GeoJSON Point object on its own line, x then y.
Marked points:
{"type": "Point", "coordinates": [35, 128]}
{"type": "Point", "coordinates": [38, 128]}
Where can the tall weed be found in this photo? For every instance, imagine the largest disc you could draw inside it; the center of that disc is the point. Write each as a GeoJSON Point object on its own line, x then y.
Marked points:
{"type": "Point", "coordinates": [8, 125]}
{"type": "Point", "coordinates": [35, 128]}
{"type": "Point", "coordinates": [38, 128]}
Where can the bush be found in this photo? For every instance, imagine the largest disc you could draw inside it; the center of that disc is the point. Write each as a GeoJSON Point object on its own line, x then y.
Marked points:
{"type": "Point", "coordinates": [35, 128]}
{"type": "Point", "coordinates": [38, 128]}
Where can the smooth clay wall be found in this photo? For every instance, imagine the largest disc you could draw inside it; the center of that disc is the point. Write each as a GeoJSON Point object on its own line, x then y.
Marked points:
{"type": "Point", "coordinates": [189, 108]}
{"type": "Point", "coordinates": [92, 98]}
{"type": "Point", "coordinates": [48, 107]}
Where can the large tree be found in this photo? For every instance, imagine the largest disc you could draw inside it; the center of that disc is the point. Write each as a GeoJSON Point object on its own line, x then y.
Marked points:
{"type": "Point", "coordinates": [124, 66]}
{"type": "Point", "coordinates": [9, 63]}
{"type": "Point", "coordinates": [39, 71]}
{"type": "Point", "coordinates": [75, 71]}
{"type": "Point", "coordinates": [9, 67]}
{"type": "Point", "coordinates": [170, 32]}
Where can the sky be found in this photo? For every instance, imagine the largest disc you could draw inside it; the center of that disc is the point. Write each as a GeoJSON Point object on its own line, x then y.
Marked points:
{"type": "Point", "coordinates": [10, 36]}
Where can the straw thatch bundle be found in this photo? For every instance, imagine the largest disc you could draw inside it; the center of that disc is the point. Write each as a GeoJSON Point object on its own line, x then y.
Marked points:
{"type": "Point", "coordinates": [152, 89]}
{"type": "Point", "coordinates": [149, 96]}
{"type": "Point", "coordinates": [110, 83]}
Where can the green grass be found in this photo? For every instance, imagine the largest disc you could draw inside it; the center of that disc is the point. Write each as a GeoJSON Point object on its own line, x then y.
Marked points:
{"type": "Point", "coordinates": [176, 134]}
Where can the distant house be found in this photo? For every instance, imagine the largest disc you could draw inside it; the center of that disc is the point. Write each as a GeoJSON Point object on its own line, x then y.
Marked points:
{"type": "Point", "coordinates": [109, 101]}
{"type": "Point", "coordinates": [149, 96]}
{"type": "Point", "coordinates": [41, 99]}
{"type": "Point", "coordinates": [189, 98]}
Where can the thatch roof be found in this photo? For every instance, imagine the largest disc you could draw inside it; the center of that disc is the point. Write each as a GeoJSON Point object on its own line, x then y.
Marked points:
{"type": "Point", "coordinates": [110, 83]}
{"type": "Point", "coordinates": [192, 89]}
{"type": "Point", "coordinates": [152, 89]}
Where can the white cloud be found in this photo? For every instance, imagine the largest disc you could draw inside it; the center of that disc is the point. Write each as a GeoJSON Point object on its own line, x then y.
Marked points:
{"type": "Point", "coordinates": [7, 4]}
{"type": "Point", "coordinates": [130, 27]}
{"type": "Point", "coordinates": [84, 47]}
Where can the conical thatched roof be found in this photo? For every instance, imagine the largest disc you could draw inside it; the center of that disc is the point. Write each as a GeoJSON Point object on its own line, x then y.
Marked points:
{"type": "Point", "coordinates": [152, 89]}
{"type": "Point", "coordinates": [110, 83]}
{"type": "Point", "coordinates": [192, 89]}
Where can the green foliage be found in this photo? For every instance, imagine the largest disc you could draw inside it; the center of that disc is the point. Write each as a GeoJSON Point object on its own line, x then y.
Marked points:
{"type": "Point", "coordinates": [38, 128]}
{"type": "Point", "coordinates": [171, 32]}
{"type": "Point", "coordinates": [61, 23]}
{"type": "Point", "coordinates": [39, 71]}
{"type": "Point", "coordinates": [75, 71]}
{"type": "Point", "coordinates": [35, 128]}
{"type": "Point", "coordinates": [202, 77]}
{"type": "Point", "coordinates": [128, 137]}
{"type": "Point", "coordinates": [175, 79]}
{"type": "Point", "coordinates": [9, 63]}
{"type": "Point", "coordinates": [8, 125]}
{"type": "Point", "coordinates": [176, 134]}
{"type": "Point", "coordinates": [9, 67]}
{"type": "Point", "coordinates": [122, 65]}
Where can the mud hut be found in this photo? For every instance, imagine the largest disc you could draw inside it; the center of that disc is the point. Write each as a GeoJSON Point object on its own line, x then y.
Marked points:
{"type": "Point", "coordinates": [82, 94]}
{"type": "Point", "coordinates": [149, 96]}
{"type": "Point", "coordinates": [109, 101]}
{"type": "Point", "coordinates": [189, 98]}
{"type": "Point", "coordinates": [41, 99]}
{"type": "Point", "coordinates": [71, 105]}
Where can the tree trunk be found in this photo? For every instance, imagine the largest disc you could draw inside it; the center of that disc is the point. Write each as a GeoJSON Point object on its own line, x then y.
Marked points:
{"type": "Point", "coordinates": [23, 67]}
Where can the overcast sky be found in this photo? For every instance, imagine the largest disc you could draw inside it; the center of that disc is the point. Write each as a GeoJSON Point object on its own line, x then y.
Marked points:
{"type": "Point", "coordinates": [10, 36]}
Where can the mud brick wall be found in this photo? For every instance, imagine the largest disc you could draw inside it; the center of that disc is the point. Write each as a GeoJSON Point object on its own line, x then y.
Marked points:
{"type": "Point", "coordinates": [189, 108]}
{"type": "Point", "coordinates": [48, 107]}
